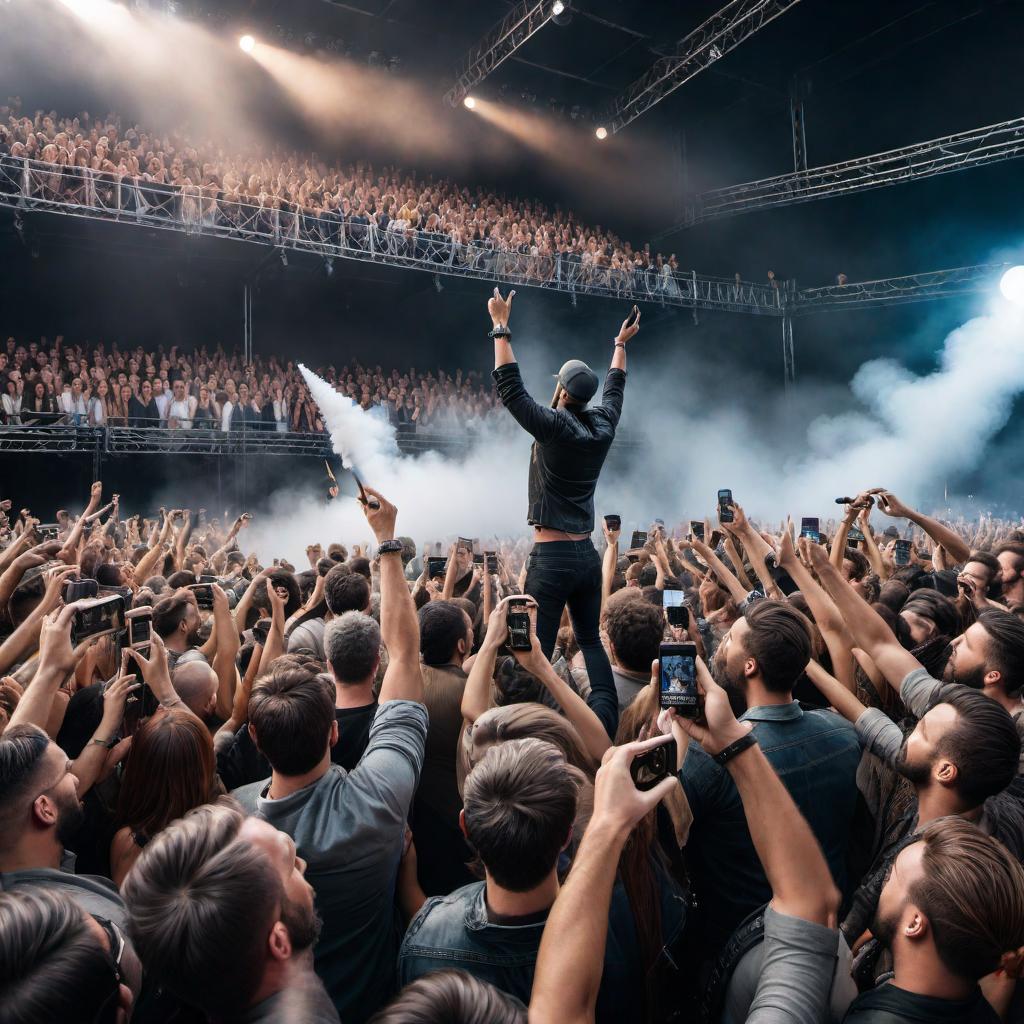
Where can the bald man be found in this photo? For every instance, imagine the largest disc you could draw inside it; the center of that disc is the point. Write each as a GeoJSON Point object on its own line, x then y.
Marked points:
{"type": "Point", "coordinates": [195, 682]}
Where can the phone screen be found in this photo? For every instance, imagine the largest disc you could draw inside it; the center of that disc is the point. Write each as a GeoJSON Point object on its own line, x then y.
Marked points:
{"type": "Point", "coordinates": [673, 598]}
{"type": "Point", "coordinates": [102, 615]}
{"type": "Point", "coordinates": [203, 594]}
{"type": "Point", "coordinates": [696, 529]}
{"type": "Point", "coordinates": [725, 513]}
{"type": "Point", "coordinates": [809, 528]}
{"type": "Point", "coordinates": [639, 539]}
{"type": "Point", "coordinates": [492, 561]}
{"type": "Point", "coordinates": [613, 522]}
{"type": "Point", "coordinates": [436, 567]}
{"type": "Point", "coordinates": [902, 553]}
{"type": "Point", "coordinates": [679, 679]}
{"type": "Point", "coordinates": [518, 626]}
{"type": "Point", "coordinates": [677, 615]}
{"type": "Point", "coordinates": [855, 536]}
{"type": "Point", "coordinates": [140, 630]}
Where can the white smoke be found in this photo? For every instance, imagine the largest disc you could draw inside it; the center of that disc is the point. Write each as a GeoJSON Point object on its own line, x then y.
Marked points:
{"type": "Point", "coordinates": [909, 433]}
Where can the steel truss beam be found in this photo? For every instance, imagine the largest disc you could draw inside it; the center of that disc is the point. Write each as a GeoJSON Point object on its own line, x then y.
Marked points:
{"type": "Point", "coordinates": [722, 32]}
{"type": "Point", "coordinates": [961, 152]}
{"type": "Point", "coordinates": [891, 291]}
{"type": "Point", "coordinates": [29, 185]}
{"type": "Point", "coordinates": [498, 45]}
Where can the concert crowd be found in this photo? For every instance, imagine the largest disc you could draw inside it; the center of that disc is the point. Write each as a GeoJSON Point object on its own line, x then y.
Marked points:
{"type": "Point", "coordinates": [342, 790]}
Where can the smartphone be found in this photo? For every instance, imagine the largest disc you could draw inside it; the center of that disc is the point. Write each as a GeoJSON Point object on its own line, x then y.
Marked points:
{"type": "Point", "coordinates": [696, 530]}
{"type": "Point", "coordinates": [649, 768]}
{"type": "Point", "coordinates": [437, 565]}
{"type": "Point", "coordinates": [855, 536]}
{"type": "Point", "coordinates": [639, 539]}
{"type": "Point", "coordinates": [203, 593]}
{"type": "Point", "coordinates": [47, 531]}
{"type": "Point", "coordinates": [478, 559]}
{"type": "Point", "coordinates": [725, 514]}
{"type": "Point", "coordinates": [492, 561]}
{"type": "Point", "coordinates": [677, 615]}
{"type": "Point", "coordinates": [679, 679]}
{"type": "Point", "coordinates": [78, 590]}
{"type": "Point", "coordinates": [98, 617]}
{"type": "Point", "coordinates": [672, 598]}
{"type": "Point", "coordinates": [716, 539]}
{"type": "Point", "coordinates": [125, 592]}
{"type": "Point", "coordinates": [519, 624]}
{"type": "Point", "coordinates": [466, 543]}
{"type": "Point", "coordinates": [613, 522]}
{"type": "Point", "coordinates": [140, 705]}
{"type": "Point", "coordinates": [633, 314]}
{"type": "Point", "coordinates": [809, 527]}
{"type": "Point", "coordinates": [902, 553]}
{"type": "Point", "coordinates": [140, 630]}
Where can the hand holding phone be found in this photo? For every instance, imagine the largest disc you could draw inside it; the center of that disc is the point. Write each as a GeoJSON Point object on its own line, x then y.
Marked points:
{"type": "Point", "coordinates": [677, 672]}
{"type": "Point", "coordinates": [650, 767]}
{"type": "Point", "coordinates": [518, 621]}
{"type": "Point", "coordinates": [725, 512]}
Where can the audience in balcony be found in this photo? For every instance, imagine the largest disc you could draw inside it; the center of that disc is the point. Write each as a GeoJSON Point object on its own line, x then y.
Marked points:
{"type": "Point", "coordinates": [103, 385]}
{"type": "Point", "coordinates": [295, 194]}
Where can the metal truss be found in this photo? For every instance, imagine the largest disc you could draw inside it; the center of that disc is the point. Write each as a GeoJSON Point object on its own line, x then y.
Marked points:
{"type": "Point", "coordinates": [974, 148]}
{"type": "Point", "coordinates": [82, 192]}
{"type": "Point", "coordinates": [498, 45]}
{"type": "Point", "coordinates": [722, 32]}
{"type": "Point", "coordinates": [890, 291]}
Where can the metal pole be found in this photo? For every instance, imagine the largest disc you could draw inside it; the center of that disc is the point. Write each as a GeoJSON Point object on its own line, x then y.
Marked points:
{"type": "Point", "coordinates": [788, 364]}
{"type": "Point", "coordinates": [796, 118]}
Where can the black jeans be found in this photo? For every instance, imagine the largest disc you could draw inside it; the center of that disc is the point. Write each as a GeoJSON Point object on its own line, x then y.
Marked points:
{"type": "Point", "coordinates": [568, 572]}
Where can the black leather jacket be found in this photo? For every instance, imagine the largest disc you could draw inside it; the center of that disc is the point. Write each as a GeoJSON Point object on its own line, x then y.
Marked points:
{"type": "Point", "coordinates": [569, 452]}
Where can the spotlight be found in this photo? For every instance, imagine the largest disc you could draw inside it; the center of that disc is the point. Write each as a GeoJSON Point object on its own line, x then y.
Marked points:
{"type": "Point", "coordinates": [1012, 285]}
{"type": "Point", "coordinates": [247, 44]}
{"type": "Point", "coordinates": [557, 8]}
{"type": "Point", "coordinates": [602, 132]}
{"type": "Point", "coordinates": [469, 103]}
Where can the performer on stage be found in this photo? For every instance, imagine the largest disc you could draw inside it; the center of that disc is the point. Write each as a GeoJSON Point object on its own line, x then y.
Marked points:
{"type": "Point", "coordinates": [571, 440]}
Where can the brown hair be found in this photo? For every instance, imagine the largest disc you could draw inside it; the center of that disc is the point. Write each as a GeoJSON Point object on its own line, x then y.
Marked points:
{"type": "Point", "coordinates": [635, 628]}
{"type": "Point", "coordinates": [451, 995]}
{"type": "Point", "coordinates": [779, 640]}
{"type": "Point", "coordinates": [520, 805]}
{"type": "Point", "coordinates": [291, 711]}
{"type": "Point", "coordinates": [195, 892]}
{"type": "Point", "coordinates": [972, 893]}
{"type": "Point", "coordinates": [169, 771]}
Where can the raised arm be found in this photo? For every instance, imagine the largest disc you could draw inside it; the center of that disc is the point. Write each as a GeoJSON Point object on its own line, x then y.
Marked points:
{"type": "Point", "coordinates": [225, 653]}
{"type": "Point", "coordinates": [571, 956]}
{"type": "Point", "coordinates": [71, 544]}
{"type": "Point", "coordinates": [737, 591]}
{"type": "Point", "coordinates": [399, 625]}
{"type": "Point", "coordinates": [476, 696]}
{"type": "Point", "coordinates": [610, 562]}
{"type": "Point", "coordinates": [955, 546]}
{"type": "Point", "coordinates": [866, 626]}
{"type": "Point", "coordinates": [757, 549]}
{"type": "Point", "coordinates": [500, 310]}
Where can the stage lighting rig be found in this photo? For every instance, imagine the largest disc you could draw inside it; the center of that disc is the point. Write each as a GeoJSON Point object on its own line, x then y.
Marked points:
{"type": "Point", "coordinates": [469, 103]}
{"type": "Point", "coordinates": [247, 44]}
{"type": "Point", "coordinates": [557, 8]}
{"type": "Point", "coordinates": [602, 132]}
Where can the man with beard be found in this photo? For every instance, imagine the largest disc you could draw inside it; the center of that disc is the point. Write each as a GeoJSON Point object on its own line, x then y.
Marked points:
{"type": "Point", "coordinates": [176, 621]}
{"type": "Point", "coordinates": [222, 916]}
{"type": "Point", "coordinates": [39, 813]}
{"type": "Point", "coordinates": [951, 912]}
{"type": "Point", "coordinates": [988, 656]}
{"type": "Point", "coordinates": [815, 753]}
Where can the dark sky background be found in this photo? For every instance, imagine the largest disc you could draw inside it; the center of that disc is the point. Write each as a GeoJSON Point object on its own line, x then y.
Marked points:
{"type": "Point", "coordinates": [878, 74]}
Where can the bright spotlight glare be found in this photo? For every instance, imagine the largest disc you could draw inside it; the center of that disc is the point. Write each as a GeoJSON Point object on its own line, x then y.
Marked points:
{"type": "Point", "coordinates": [1012, 285]}
{"type": "Point", "coordinates": [469, 103]}
{"type": "Point", "coordinates": [247, 43]}
{"type": "Point", "coordinates": [557, 8]}
{"type": "Point", "coordinates": [602, 132]}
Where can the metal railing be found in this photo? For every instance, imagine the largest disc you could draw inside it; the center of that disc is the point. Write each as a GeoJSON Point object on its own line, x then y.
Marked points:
{"type": "Point", "coordinates": [103, 195]}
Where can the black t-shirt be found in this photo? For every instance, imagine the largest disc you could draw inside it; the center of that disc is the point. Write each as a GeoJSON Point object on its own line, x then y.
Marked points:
{"type": "Point", "coordinates": [888, 1004]}
{"type": "Point", "coordinates": [242, 763]}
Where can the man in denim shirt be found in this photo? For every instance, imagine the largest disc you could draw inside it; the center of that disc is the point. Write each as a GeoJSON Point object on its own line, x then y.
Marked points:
{"type": "Point", "coordinates": [520, 805]}
{"type": "Point", "coordinates": [815, 753]}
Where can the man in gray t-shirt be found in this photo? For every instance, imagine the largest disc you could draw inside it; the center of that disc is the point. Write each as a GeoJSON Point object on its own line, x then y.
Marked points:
{"type": "Point", "coordinates": [349, 827]}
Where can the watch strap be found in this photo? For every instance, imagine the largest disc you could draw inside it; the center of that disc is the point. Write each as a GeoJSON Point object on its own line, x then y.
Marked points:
{"type": "Point", "coordinates": [501, 331]}
{"type": "Point", "coordinates": [386, 547]}
{"type": "Point", "coordinates": [725, 755]}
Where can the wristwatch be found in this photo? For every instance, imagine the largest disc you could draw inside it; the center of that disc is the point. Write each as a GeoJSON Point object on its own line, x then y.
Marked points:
{"type": "Point", "coordinates": [388, 547]}
{"type": "Point", "coordinates": [501, 331]}
{"type": "Point", "coordinates": [726, 754]}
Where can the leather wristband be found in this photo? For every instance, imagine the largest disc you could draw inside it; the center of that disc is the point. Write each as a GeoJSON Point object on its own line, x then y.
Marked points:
{"type": "Point", "coordinates": [389, 547]}
{"type": "Point", "coordinates": [725, 755]}
{"type": "Point", "coordinates": [618, 344]}
{"type": "Point", "coordinates": [501, 331]}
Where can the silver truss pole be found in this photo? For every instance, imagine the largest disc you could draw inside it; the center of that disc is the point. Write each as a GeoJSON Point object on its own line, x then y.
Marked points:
{"type": "Point", "coordinates": [498, 45]}
{"type": "Point", "coordinates": [963, 151]}
{"type": "Point", "coordinates": [712, 40]}
{"type": "Point", "coordinates": [890, 291]}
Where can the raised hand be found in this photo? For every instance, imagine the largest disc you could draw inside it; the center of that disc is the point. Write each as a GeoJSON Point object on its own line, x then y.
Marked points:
{"type": "Point", "coordinates": [629, 330]}
{"type": "Point", "coordinates": [382, 517]}
{"type": "Point", "coordinates": [499, 308]}
{"type": "Point", "coordinates": [718, 727]}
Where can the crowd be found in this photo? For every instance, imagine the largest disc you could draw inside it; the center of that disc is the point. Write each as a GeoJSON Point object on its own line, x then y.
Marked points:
{"type": "Point", "coordinates": [237, 792]}
{"type": "Point", "coordinates": [84, 385]}
{"type": "Point", "coordinates": [106, 162]}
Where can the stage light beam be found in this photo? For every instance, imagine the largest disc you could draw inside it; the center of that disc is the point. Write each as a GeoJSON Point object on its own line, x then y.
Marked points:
{"type": "Point", "coordinates": [469, 103]}
{"type": "Point", "coordinates": [557, 8]}
{"type": "Point", "coordinates": [247, 44]}
{"type": "Point", "coordinates": [602, 132]}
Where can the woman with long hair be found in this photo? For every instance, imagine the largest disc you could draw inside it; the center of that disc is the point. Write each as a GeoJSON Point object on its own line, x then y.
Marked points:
{"type": "Point", "coordinates": [170, 770]}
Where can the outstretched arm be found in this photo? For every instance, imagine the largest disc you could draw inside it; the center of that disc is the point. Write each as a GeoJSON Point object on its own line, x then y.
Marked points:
{"type": "Point", "coordinates": [955, 546]}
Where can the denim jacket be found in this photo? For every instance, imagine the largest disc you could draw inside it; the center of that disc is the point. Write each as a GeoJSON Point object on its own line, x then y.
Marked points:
{"type": "Point", "coordinates": [816, 754]}
{"type": "Point", "coordinates": [569, 452]}
{"type": "Point", "coordinates": [453, 932]}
